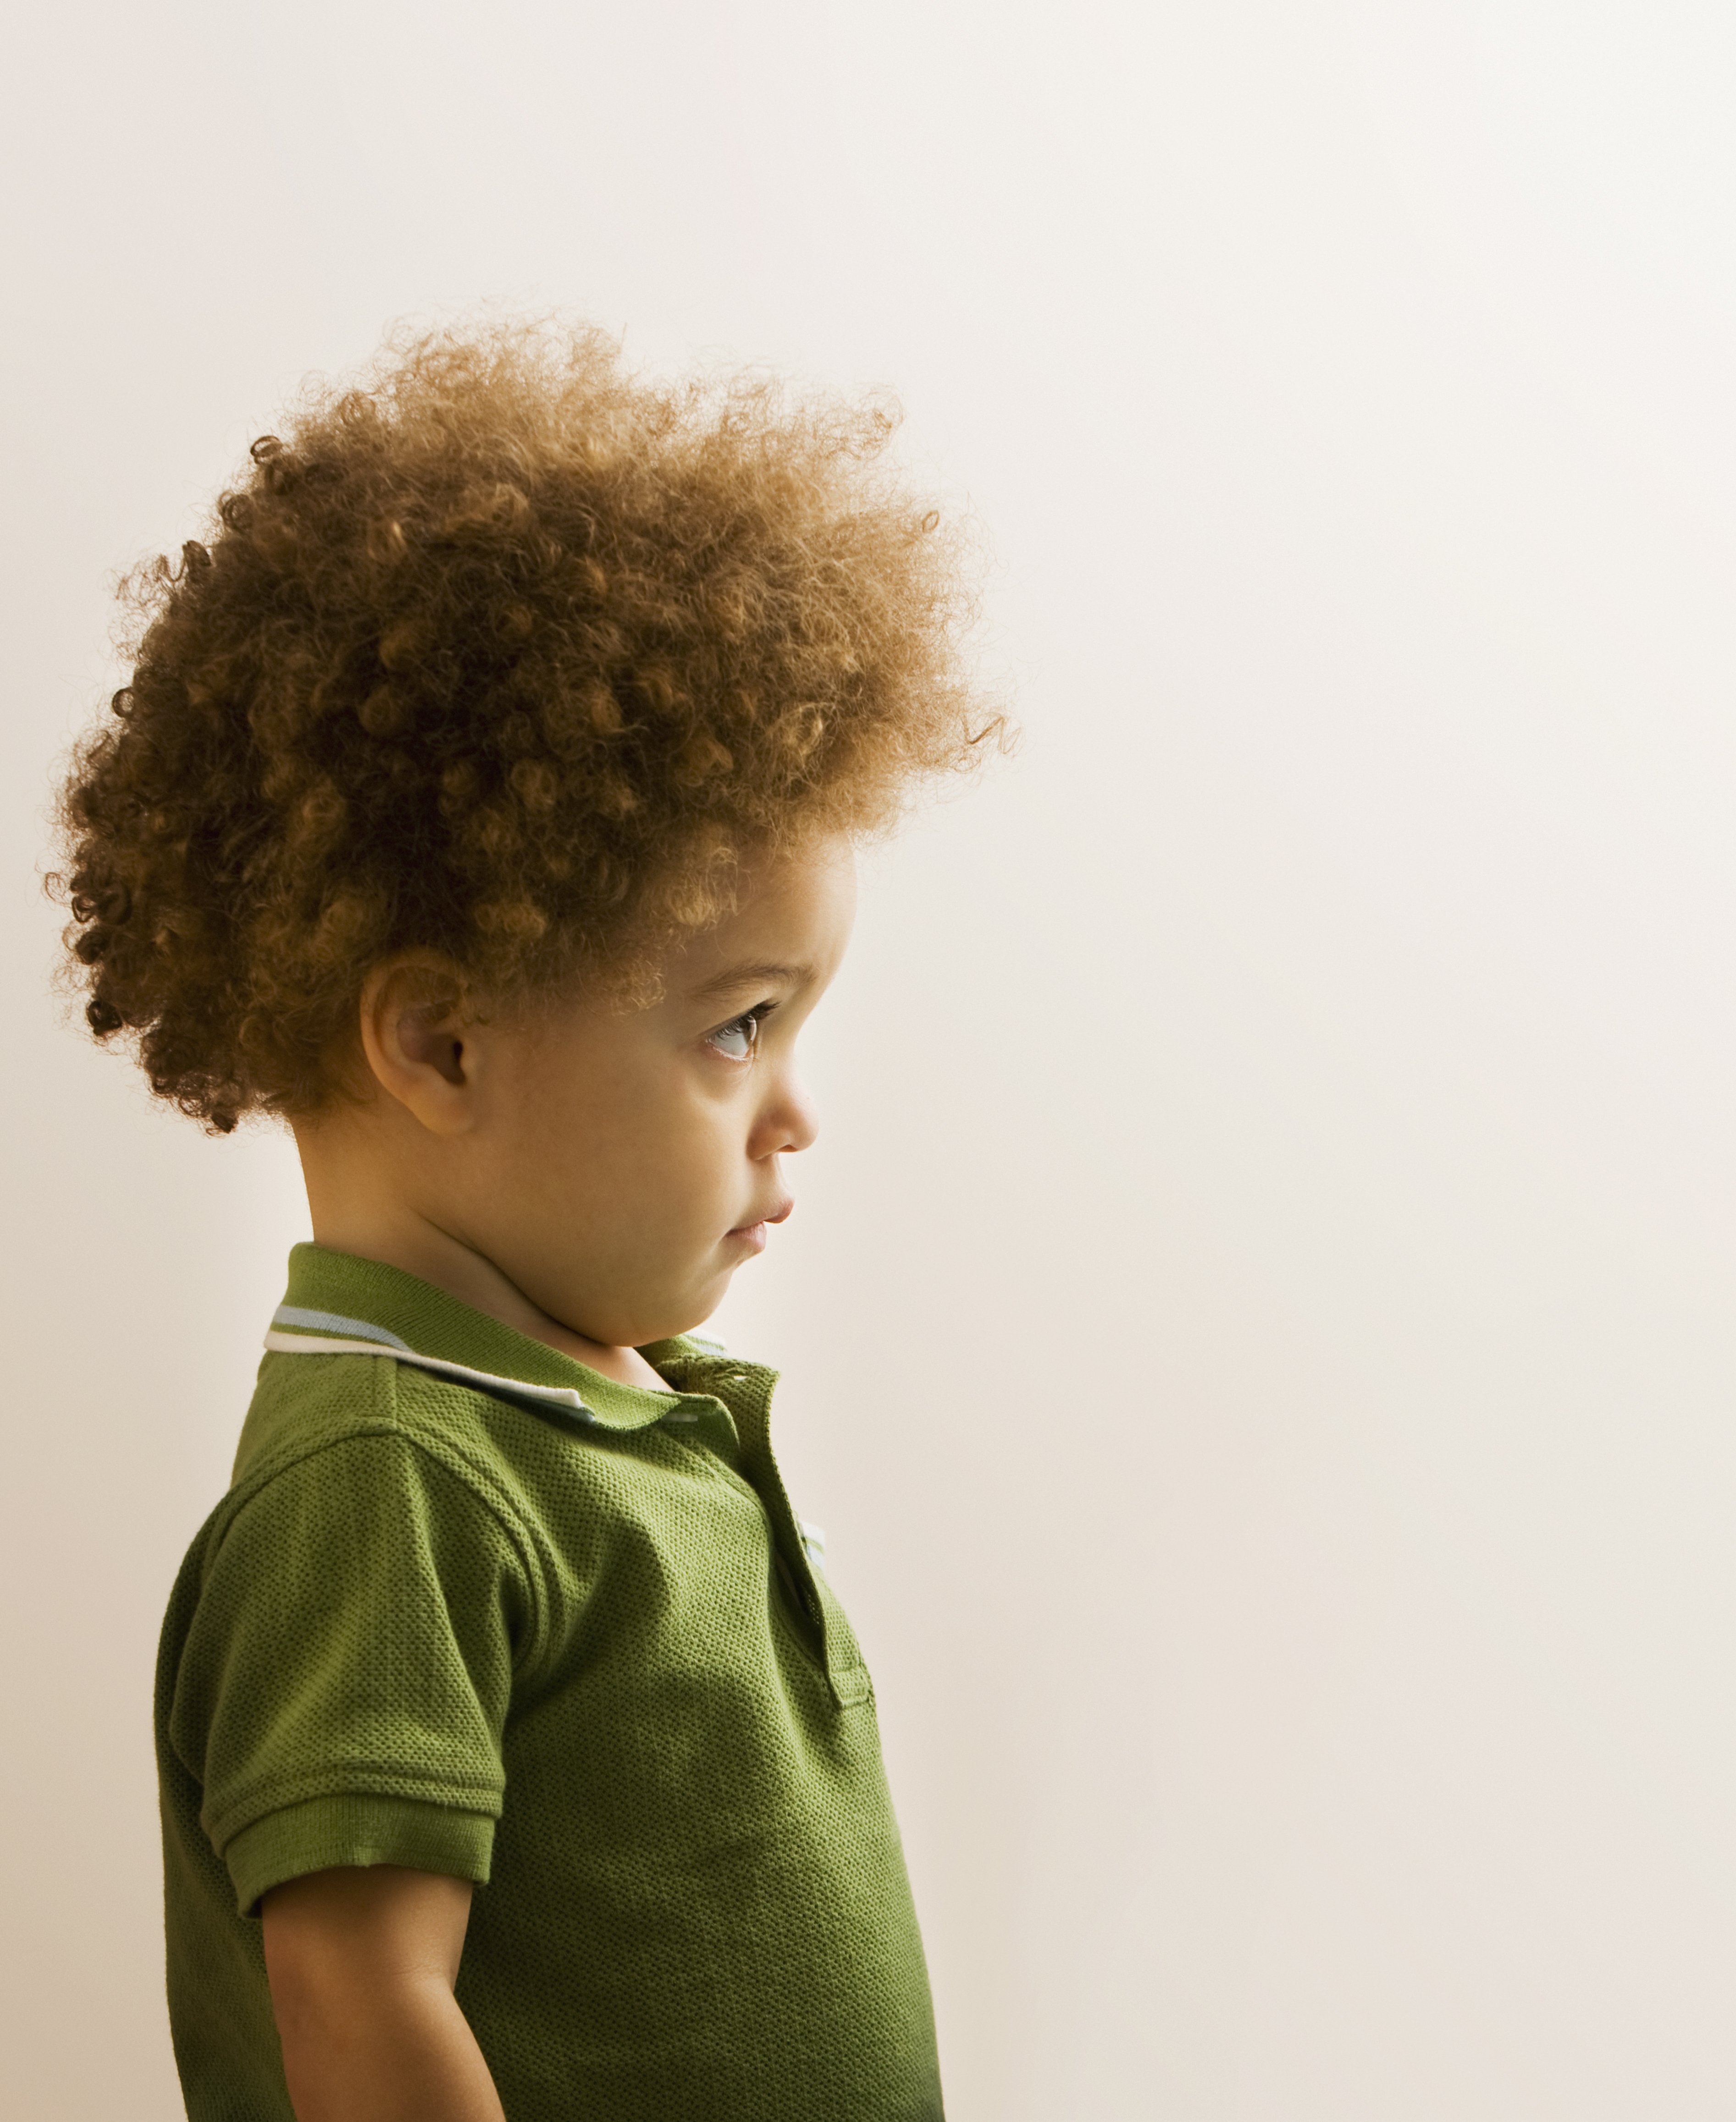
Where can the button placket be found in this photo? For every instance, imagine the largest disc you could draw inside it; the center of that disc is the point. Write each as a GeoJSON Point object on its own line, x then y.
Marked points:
{"type": "Point", "coordinates": [846, 1675]}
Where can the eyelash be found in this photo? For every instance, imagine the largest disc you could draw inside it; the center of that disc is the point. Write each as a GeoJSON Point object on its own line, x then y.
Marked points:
{"type": "Point", "coordinates": [748, 1023]}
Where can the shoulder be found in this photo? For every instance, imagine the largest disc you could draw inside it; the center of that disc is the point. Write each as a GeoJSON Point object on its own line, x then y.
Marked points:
{"type": "Point", "coordinates": [335, 1448]}
{"type": "Point", "coordinates": [349, 1512]}
{"type": "Point", "coordinates": [319, 1408]}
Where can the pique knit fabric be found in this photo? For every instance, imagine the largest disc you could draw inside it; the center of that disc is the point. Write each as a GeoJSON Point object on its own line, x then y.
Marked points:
{"type": "Point", "coordinates": [471, 1607]}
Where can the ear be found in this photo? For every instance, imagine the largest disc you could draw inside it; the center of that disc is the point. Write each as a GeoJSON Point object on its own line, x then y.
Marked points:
{"type": "Point", "coordinates": [417, 1038]}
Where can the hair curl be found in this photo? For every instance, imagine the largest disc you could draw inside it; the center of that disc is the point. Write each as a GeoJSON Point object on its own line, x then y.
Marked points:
{"type": "Point", "coordinates": [507, 654]}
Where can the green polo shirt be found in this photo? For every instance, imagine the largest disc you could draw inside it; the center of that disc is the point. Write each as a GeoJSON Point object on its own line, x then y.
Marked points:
{"type": "Point", "coordinates": [470, 1607]}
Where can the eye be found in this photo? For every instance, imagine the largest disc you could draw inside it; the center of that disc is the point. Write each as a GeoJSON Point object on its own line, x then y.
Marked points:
{"type": "Point", "coordinates": [737, 1040]}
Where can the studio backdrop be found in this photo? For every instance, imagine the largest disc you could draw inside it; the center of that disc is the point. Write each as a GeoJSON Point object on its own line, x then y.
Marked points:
{"type": "Point", "coordinates": [1257, 1324]}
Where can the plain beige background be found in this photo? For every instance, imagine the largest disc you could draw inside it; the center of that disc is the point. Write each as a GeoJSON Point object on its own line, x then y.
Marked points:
{"type": "Point", "coordinates": [1258, 1323]}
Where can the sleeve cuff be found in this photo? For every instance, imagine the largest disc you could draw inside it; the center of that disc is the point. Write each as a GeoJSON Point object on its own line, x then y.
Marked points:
{"type": "Point", "coordinates": [324, 1833]}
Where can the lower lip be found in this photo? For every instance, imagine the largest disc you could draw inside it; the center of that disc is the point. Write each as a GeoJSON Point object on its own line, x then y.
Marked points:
{"type": "Point", "coordinates": [752, 1236]}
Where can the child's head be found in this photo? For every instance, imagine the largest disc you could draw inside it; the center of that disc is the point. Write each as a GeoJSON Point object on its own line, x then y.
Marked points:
{"type": "Point", "coordinates": [506, 735]}
{"type": "Point", "coordinates": [615, 1165]}
{"type": "Point", "coordinates": [505, 657]}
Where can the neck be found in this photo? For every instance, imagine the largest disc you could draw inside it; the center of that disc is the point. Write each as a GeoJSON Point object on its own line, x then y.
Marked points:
{"type": "Point", "coordinates": [353, 1213]}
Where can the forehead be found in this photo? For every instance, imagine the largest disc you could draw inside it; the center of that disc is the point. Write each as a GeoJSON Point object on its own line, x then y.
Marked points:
{"type": "Point", "coordinates": [790, 925]}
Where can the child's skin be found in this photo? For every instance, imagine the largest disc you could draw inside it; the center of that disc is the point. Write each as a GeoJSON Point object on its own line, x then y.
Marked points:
{"type": "Point", "coordinates": [592, 1177]}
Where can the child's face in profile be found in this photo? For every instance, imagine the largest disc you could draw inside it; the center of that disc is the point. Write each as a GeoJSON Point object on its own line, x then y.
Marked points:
{"type": "Point", "coordinates": [617, 1167]}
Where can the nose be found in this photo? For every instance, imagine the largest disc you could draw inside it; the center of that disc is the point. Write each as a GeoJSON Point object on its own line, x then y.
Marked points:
{"type": "Point", "coordinates": [787, 1122]}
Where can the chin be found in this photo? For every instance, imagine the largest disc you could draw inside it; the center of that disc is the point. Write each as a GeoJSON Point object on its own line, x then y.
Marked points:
{"type": "Point", "coordinates": [667, 1320]}
{"type": "Point", "coordinates": [683, 1309]}
{"type": "Point", "coordinates": [703, 1303]}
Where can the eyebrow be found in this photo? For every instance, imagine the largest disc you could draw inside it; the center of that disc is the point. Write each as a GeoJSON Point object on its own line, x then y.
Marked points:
{"type": "Point", "coordinates": [755, 973]}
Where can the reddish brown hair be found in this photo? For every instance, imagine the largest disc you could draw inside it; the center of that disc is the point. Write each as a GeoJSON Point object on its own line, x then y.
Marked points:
{"type": "Point", "coordinates": [507, 654]}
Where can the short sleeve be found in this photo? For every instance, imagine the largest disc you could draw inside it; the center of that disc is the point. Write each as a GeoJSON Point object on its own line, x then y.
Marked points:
{"type": "Point", "coordinates": [343, 1682]}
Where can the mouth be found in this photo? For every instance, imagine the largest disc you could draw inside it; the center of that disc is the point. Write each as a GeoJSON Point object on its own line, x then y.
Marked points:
{"type": "Point", "coordinates": [754, 1234]}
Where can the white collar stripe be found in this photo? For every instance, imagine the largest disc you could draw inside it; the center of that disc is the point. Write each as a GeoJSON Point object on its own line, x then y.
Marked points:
{"type": "Point", "coordinates": [334, 1322]}
{"type": "Point", "coordinates": [379, 1342]}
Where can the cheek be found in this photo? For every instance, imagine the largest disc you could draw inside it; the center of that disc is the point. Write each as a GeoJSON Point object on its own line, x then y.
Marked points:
{"type": "Point", "coordinates": [700, 1152]}
{"type": "Point", "coordinates": [656, 1152]}
{"type": "Point", "coordinates": [703, 1180]}
{"type": "Point", "coordinates": [616, 1131]}
{"type": "Point", "coordinates": [572, 1139]}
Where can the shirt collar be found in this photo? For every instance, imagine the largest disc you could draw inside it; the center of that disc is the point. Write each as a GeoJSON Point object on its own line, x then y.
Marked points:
{"type": "Point", "coordinates": [340, 1304]}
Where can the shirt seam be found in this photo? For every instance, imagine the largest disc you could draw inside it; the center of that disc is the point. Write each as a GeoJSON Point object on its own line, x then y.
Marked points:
{"type": "Point", "coordinates": [475, 1480]}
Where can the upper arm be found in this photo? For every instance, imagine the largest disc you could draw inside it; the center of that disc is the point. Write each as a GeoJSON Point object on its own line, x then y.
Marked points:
{"type": "Point", "coordinates": [362, 1961]}
{"type": "Point", "coordinates": [341, 1685]}
{"type": "Point", "coordinates": [378, 1925]}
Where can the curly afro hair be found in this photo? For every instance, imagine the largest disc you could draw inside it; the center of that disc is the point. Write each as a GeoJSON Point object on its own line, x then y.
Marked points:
{"type": "Point", "coordinates": [507, 654]}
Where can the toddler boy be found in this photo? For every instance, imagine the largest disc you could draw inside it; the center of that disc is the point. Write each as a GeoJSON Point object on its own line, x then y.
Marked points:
{"type": "Point", "coordinates": [482, 804]}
